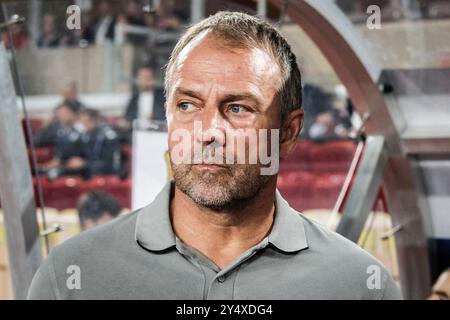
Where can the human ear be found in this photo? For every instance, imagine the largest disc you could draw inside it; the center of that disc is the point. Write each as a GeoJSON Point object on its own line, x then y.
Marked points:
{"type": "Point", "coordinates": [290, 131]}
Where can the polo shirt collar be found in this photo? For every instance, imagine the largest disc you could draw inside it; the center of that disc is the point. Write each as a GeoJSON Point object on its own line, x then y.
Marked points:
{"type": "Point", "coordinates": [154, 228]}
{"type": "Point", "coordinates": [288, 232]}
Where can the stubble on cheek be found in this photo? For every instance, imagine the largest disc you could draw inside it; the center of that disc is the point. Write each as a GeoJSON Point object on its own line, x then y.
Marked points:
{"type": "Point", "coordinates": [219, 188]}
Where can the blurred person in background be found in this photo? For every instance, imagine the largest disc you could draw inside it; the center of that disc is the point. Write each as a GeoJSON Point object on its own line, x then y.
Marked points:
{"type": "Point", "coordinates": [167, 17]}
{"type": "Point", "coordinates": [59, 128]}
{"type": "Point", "coordinates": [342, 111]}
{"type": "Point", "coordinates": [63, 120]}
{"type": "Point", "coordinates": [98, 150]}
{"type": "Point", "coordinates": [72, 37]}
{"type": "Point", "coordinates": [102, 27]}
{"type": "Point", "coordinates": [134, 13]}
{"type": "Point", "coordinates": [334, 122]}
{"type": "Point", "coordinates": [146, 102]}
{"type": "Point", "coordinates": [315, 101]}
{"type": "Point", "coordinates": [70, 96]}
{"type": "Point", "coordinates": [132, 16]}
{"type": "Point", "coordinates": [323, 128]}
{"type": "Point", "coordinates": [95, 152]}
{"type": "Point", "coordinates": [95, 208]}
{"type": "Point", "coordinates": [331, 125]}
{"type": "Point", "coordinates": [19, 37]}
{"type": "Point", "coordinates": [50, 36]}
{"type": "Point", "coordinates": [61, 135]}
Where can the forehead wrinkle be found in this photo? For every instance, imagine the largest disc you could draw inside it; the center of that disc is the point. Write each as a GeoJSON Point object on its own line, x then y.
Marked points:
{"type": "Point", "coordinates": [255, 60]}
{"type": "Point", "coordinates": [266, 63]}
{"type": "Point", "coordinates": [255, 67]}
{"type": "Point", "coordinates": [215, 74]}
{"type": "Point", "coordinates": [222, 90]}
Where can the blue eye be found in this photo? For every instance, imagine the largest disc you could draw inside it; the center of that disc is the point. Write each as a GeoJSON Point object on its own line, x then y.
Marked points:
{"type": "Point", "coordinates": [185, 106]}
{"type": "Point", "coordinates": [237, 108]}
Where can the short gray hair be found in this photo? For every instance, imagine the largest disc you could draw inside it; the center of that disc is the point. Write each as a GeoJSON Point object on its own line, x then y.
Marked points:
{"type": "Point", "coordinates": [241, 30]}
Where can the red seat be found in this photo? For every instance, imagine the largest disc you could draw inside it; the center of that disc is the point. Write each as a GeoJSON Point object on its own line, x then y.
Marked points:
{"type": "Point", "coordinates": [63, 192]}
{"type": "Point", "coordinates": [299, 158]}
{"type": "Point", "coordinates": [331, 157]}
{"type": "Point", "coordinates": [43, 154]}
{"type": "Point", "coordinates": [113, 185]}
{"type": "Point", "coordinates": [120, 189]}
{"type": "Point", "coordinates": [332, 167]}
{"type": "Point", "coordinates": [330, 181]}
{"type": "Point", "coordinates": [327, 189]}
{"type": "Point", "coordinates": [333, 151]}
{"type": "Point", "coordinates": [297, 187]}
{"type": "Point", "coordinates": [44, 184]}
{"type": "Point", "coordinates": [95, 183]}
{"type": "Point", "coordinates": [35, 125]}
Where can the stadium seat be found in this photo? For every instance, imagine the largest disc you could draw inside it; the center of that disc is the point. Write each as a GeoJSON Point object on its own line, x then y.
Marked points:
{"type": "Point", "coordinates": [297, 187]}
{"type": "Point", "coordinates": [44, 184]}
{"type": "Point", "coordinates": [327, 189]}
{"type": "Point", "coordinates": [331, 157]}
{"type": "Point", "coordinates": [333, 151]}
{"type": "Point", "coordinates": [35, 125]}
{"type": "Point", "coordinates": [43, 154]}
{"type": "Point", "coordinates": [113, 185]}
{"type": "Point", "coordinates": [299, 158]}
{"type": "Point", "coordinates": [62, 193]}
{"type": "Point", "coordinates": [119, 189]}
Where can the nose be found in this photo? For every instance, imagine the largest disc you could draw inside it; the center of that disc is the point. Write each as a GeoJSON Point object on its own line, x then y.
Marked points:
{"type": "Point", "coordinates": [211, 128]}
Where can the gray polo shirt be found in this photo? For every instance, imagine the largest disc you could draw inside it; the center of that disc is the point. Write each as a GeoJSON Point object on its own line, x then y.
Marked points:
{"type": "Point", "coordinates": [138, 256]}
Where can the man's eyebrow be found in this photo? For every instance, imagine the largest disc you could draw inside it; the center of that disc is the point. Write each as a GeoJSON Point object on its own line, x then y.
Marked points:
{"type": "Point", "coordinates": [226, 99]}
{"type": "Point", "coordinates": [188, 92]}
{"type": "Point", "coordinates": [240, 96]}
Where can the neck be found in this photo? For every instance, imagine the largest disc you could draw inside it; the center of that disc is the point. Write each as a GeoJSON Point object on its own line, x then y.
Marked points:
{"type": "Point", "coordinates": [224, 235]}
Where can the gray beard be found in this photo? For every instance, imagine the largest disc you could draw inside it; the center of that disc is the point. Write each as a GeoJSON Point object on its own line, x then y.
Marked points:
{"type": "Point", "coordinates": [228, 190]}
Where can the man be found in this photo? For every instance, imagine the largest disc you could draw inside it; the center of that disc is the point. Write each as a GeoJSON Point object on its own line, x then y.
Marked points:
{"type": "Point", "coordinates": [220, 231]}
{"type": "Point", "coordinates": [147, 102]}
{"type": "Point", "coordinates": [61, 134]}
{"type": "Point", "coordinates": [50, 37]}
{"type": "Point", "coordinates": [441, 288]}
{"type": "Point", "coordinates": [315, 101]}
{"type": "Point", "coordinates": [102, 29]}
{"type": "Point", "coordinates": [91, 148]}
{"type": "Point", "coordinates": [98, 150]}
{"type": "Point", "coordinates": [70, 96]}
{"type": "Point", "coordinates": [58, 127]}
{"type": "Point", "coordinates": [95, 208]}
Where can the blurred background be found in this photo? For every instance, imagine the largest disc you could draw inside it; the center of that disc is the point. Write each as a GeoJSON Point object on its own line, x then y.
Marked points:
{"type": "Point", "coordinates": [84, 90]}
